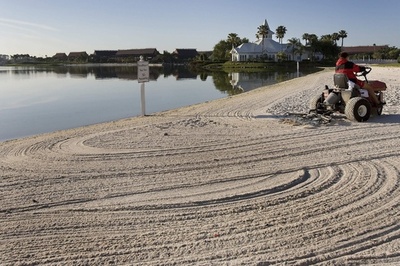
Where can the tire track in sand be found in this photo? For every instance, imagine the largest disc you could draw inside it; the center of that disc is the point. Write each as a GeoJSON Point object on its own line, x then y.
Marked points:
{"type": "Point", "coordinates": [220, 183]}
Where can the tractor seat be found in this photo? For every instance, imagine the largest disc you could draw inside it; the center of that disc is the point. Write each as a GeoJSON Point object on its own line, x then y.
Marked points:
{"type": "Point", "coordinates": [340, 80]}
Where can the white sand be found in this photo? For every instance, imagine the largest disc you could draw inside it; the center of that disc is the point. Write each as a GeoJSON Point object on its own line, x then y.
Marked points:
{"type": "Point", "coordinates": [220, 183]}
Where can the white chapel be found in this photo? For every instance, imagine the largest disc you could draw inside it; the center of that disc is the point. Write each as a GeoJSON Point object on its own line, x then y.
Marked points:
{"type": "Point", "coordinates": [265, 47]}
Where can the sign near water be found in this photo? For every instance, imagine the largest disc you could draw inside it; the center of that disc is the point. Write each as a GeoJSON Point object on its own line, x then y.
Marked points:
{"type": "Point", "coordinates": [143, 71]}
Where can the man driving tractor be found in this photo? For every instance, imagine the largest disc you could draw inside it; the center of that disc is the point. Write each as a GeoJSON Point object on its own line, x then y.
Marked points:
{"type": "Point", "coordinates": [343, 65]}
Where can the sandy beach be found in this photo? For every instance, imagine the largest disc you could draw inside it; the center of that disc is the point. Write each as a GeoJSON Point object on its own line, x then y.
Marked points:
{"type": "Point", "coordinates": [235, 181]}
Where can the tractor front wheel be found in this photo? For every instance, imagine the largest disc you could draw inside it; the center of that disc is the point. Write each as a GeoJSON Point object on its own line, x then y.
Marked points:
{"type": "Point", "coordinates": [358, 109]}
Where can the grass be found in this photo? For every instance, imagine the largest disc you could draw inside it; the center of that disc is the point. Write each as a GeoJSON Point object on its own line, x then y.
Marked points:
{"type": "Point", "coordinates": [259, 66]}
{"type": "Point", "coordinates": [388, 65]}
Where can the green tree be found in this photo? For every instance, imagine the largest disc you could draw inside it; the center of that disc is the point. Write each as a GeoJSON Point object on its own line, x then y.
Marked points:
{"type": "Point", "coordinates": [326, 38]}
{"type": "Point", "coordinates": [342, 35]}
{"type": "Point", "coordinates": [221, 50]}
{"type": "Point", "coordinates": [167, 57]}
{"type": "Point", "coordinates": [234, 40]}
{"type": "Point", "coordinates": [389, 53]}
{"type": "Point", "coordinates": [327, 46]}
{"type": "Point", "coordinates": [312, 45]}
{"type": "Point", "coordinates": [377, 55]}
{"type": "Point", "coordinates": [281, 56]}
{"type": "Point", "coordinates": [245, 40]}
{"type": "Point", "coordinates": [296, 46]}
{"type": "Point", "coordinates": [393, 53]}
{"type": "Point", "coordinates": [335, 37]}
{"type": "Point", "coordinates": [306, 38]}
{"type": "Point", "coordinates": [263, 31]}
{"type": "Point", "coordinates": [312, 39]}
{"type": "Point", "coordinates": [20, 56]}
{"type": "Point", "coordinates": [280, 33]}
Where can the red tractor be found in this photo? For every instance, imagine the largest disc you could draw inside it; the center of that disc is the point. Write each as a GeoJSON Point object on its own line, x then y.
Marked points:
{"type": "Point", "coordinates": [349, 98]}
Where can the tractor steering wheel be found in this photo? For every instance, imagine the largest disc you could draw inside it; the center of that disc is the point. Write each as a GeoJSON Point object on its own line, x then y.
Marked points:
{"type": "Point", "coordinates": [364, 73]}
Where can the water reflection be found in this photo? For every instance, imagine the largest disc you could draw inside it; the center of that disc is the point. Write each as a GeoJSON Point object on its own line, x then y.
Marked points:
{"type": "Point", "coordinates": [250, 81]}
{"type": "Point", "coordinates": [230, 83]}
{"type": "Point", "coordinates": [43, 99]}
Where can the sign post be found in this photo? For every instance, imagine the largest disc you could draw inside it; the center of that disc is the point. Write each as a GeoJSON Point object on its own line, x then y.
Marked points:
{"type": "Point", "coordinates": [143, 76]}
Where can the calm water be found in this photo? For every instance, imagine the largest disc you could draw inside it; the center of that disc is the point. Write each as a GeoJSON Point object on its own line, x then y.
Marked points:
{"type": "Point", "coordinates": [37, 100]}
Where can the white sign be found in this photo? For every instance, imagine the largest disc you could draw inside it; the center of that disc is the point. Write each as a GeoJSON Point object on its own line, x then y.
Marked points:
{"type": "Point", "coordinates": [143, 71]}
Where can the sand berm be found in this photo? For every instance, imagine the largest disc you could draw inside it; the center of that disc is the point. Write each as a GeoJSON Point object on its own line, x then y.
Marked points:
{"type": "Point", "coordinates": [235, 181]}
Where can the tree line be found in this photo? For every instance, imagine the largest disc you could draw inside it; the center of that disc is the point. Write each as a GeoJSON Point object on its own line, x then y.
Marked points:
{"type": "Point", "coordinates": [326, 44]}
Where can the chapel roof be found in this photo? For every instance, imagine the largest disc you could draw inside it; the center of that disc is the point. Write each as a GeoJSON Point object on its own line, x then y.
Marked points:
{"type": "Point", "coordinates": [260, 46]}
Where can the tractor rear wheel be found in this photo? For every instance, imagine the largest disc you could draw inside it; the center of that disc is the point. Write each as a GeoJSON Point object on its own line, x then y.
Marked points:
{"type": "Point", "coordinates": [314, 102]}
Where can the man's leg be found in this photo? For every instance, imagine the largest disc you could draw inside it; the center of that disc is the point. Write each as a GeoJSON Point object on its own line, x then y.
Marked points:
{"type": "Point", "coordinates": [371, 93]}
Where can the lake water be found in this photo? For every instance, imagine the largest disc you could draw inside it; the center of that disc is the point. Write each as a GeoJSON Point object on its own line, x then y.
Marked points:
{"type": "Point", "coordinates": [36, 100]}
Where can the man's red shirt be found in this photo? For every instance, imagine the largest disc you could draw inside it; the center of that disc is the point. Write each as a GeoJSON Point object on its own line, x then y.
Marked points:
{"type": "Point", "coordinates": [349, 68]}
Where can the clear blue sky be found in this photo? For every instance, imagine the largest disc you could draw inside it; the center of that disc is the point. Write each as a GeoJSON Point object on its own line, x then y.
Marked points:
{"type": "Point", "coordinates": [45, 27]}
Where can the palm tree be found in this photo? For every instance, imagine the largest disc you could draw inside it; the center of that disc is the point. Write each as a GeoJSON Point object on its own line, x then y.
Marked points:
{"type": "Point", "coordinates": [306, 37]}
{"type": "Point", "coordinates": [312, 39]}
{"type": "Point", "coordinates": [280, 33]}
{"type": "Point", "coordinates": [233, 39]}
{"type": "Point", "coordinates": [312, 44]}
{"type": "Point", "coordinates": [263, 31]}
{"type": "Point", "coordinates": [295, 44]}
{"type": "Point", "coordinates": [335, 37]}
{"type": "Point", "coordinates": [342, 35]}
{"type": "Point", "coordinates": [327, 38]}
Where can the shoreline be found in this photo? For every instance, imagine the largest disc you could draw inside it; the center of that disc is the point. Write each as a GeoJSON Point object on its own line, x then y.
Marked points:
{"type": "Point", "coordinates": [227, 181]}
{"type": "Point", "coordinates": [25, 130]}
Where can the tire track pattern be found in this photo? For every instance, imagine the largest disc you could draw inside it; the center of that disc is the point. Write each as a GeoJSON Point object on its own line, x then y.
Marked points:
{"type": "Point", "coordinates": [219, 185]}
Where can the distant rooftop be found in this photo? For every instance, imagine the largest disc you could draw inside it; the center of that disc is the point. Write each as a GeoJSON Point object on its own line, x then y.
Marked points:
{"type": "Point", "coordinates": [363, 49]}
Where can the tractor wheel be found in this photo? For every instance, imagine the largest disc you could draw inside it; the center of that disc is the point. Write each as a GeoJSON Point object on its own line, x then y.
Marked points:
{"type": "Point", "coordinates": [313, 105]}
{"type": "Point", "coordinates": [358, 109]}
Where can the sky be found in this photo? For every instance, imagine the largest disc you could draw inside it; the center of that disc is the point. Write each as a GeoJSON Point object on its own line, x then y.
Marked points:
{"type": "Point", "coordinates": [45, 27]}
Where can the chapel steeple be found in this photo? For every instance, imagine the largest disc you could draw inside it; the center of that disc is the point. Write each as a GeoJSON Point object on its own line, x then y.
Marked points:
{"type": "Point", "coordinates": [270, 32]}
